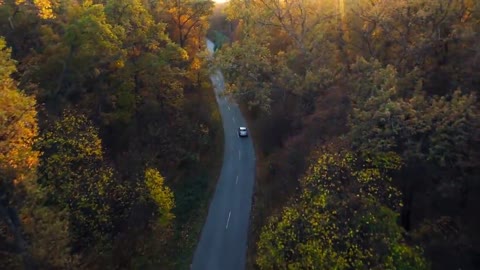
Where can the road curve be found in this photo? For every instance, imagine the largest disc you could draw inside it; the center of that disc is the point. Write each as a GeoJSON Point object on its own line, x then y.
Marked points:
{"type": "Point", "coordinates": [223, 242]}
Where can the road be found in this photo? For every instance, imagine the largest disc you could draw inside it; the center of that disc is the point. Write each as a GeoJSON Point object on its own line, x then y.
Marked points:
{"type": "Point", "coordinates": [223, 242]}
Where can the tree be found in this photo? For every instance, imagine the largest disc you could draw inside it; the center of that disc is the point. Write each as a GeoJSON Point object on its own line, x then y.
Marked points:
{"type": "Point", "coordinates": [18, 122]}
{"type": "Point", "coordinates": [298, 22]}
{"type": "Point", "coordinates": [367, 175]}
{"type": "Point", "coordinates": [45, 8]}
{"type": "Point", "coordinates": [415, 96]}
{"type": "Point", "coordinates": [113, 63]}
{"type": "Point", "coordinates": [73, 171]}
{"type": "Point", "coordinates": [152, 71]}
{"type": "Point", "coordinates": [18, 128]}
{"type": "Point", "coordinates": [77, 52]}
{"type": "Point", "coordinates": [40, 9]}
{"type": "Point", "coordinates": [23, 209]}
{"type": "Point", "coordinates": [287, 36]}
{"type": "Point", "coordinates": [433, 135]}
{"type": "Point", "coordinates": [160, 194]}
{"type": "Point", "coordinates": [248, 70]}
{"type": "Point", "coordinates": [388, 115]}
{"type": "Point", "coordinates": [338, 226]}
{"type": "Point", "coordinates": [425, 34]}
{"type": "Point", "coordinates": [47, 229]}
{"type": "Point", "coordinates": [189, 20]}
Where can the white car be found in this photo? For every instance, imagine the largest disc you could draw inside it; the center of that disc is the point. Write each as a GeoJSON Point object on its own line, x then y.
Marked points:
{"type": "Point", "coordinates": [242, 132]}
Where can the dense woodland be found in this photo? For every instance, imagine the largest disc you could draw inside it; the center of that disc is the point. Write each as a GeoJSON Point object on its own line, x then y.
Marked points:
{"type": "Point", "coordinates": [366, 121]}
{"type": "Point", "coordinates": [109, 133]}
{"type": "Point", "coordinates": [364, 115]}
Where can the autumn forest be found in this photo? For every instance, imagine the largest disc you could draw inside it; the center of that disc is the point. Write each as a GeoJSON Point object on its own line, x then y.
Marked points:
{"type": "Point", "coordinates": [106, 116]}
{"type": "Point", "coordinates": [364, 115]}
{"type": "Point", "coordinates": [366, 122]}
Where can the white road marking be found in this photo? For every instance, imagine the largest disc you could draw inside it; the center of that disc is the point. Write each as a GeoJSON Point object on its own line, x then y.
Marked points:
{"type": "Point", "coordinates": [228, 107]}
{"type": "Point", "coordinates": [236, 181]}
{"type": "Point", "coordinates": [228, 220]}
{"type": "Point", "coordinates": [233, 118]}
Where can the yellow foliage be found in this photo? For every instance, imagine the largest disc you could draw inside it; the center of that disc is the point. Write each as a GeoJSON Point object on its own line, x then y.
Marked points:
{"type": "Point", "coordinates": [196, 64]}
{"type": "Point", "coordinates": [18, 123]}
{"type": "Point", "coordinates": [118, 64]}
{"type": "Point", "coordinates": [161, 194]}
{"type": "Point", "coordinates": [44, 7]}
{"type": "Point", "coordinates": [183, 54]}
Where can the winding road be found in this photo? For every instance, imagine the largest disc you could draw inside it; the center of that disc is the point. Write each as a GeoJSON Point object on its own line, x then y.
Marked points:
{"type": "Point", "coordinates": [223, 242]}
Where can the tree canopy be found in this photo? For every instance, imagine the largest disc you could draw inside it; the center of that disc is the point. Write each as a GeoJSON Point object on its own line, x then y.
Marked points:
{"type": "Point", "coordinates": [344, 226]}
{"type": "Point", "coordinates": [375, 78]}
{"type": "Point", "coordinates": [96, 99]}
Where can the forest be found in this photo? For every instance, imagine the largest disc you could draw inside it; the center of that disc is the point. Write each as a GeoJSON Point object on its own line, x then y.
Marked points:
{"type": "Point", "coordinates": [364, 115]}
{"type": "Point", "coordinates": [109, 133]}
{"type": "Point", "coordinates": [366, 123]}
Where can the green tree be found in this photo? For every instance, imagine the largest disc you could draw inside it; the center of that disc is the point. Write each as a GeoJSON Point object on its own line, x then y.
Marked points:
{"type": "Point", "coordinates": [77, 51]}
{"type": "Point", "coordinates": [432, 134]}
{"type": "Point", "coordinates": [280, 44]}
{"type": "Point", "coordinates": [425, 34]}
{"type": "Point", "coordinates": [343, 174]}
{"type": "Point", "coordinates": [344, 226]}
{"type": "Point", "coordinates": [415, 97]}
{"type": "Point", "coordinates": [47, 229]}
{"type": "Point", "coordinates": [389, 116]}
{"type": "Point", "coordinates": [151, 71]}
{"type": "Point", "coordinates": [116, 64]}
{"type": "Point", "coordinates": [247, 67]}
{"type": "Point", "coordinates": [73, 171]}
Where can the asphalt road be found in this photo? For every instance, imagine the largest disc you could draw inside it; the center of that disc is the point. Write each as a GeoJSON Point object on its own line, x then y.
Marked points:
{"type": "Point", "coordinates": [223, 242]}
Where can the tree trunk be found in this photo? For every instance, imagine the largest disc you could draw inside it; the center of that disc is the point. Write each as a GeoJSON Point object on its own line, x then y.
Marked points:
{"type": "Point", "coordinates": [407, 211]}
{"type": "Point", "coordinates": [407, 198]}
{"type": "Point", "coordinates": [10, 18]}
